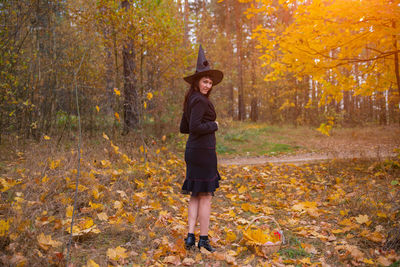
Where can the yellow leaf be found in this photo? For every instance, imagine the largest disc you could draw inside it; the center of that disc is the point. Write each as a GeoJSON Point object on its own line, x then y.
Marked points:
{"type": "Point", "coordinates": [242, 189]}
{"type": "Point", "coordinates": [45, 179]}
{"type": "Point", "coordinates": [245, 206]}
{"type": "Point", "coordinates": [117, 116]}
{"type": "Point", "coordinates": [117, 253]}
{"type": "Point", "coordinates": [95, 193]}
{"type": "Point", "coordinates": [344, 212]}
{"type": "Point", "coordinates": [368, 261]}
{"type": "Point", "coordinates": [149, 96]}
{"type": "Point", "coordinates": [54, 164]}
{"type": "Point", "coordinates": [230, 236]}
{"type": "Point", "coordinates": [117, 92]}
{"type": "Point", "coordinates": [46, 137]}
{"type": "Point", "coordinates": [7, 184]}
{"type": "Point", "coordinates": [232, 214]}
{"type": "Point", "coordinates": [68, 212]}
{"type": "Point", "coordinates": [105, 136]}
{"type": "Point", "coordinates": [382, 214]}
{"type": "Point", "coordinates": [198, 257]}
{"type": "Point", "coordinates": [96, 206]}
{"type": "Point", "coordinates": [306, 261]}
{"type": "Point", "coordinates": [88, 223]}
{"type": "Point", "coordinates": [362, 219]}
{"type": "Point", "coordinates": [97, 108]}
{"type": "Point", "coordinates": [141, 149]}
{"type": "Point", "coordinates": [4, 226]}
{"type": "Point", "coordinates": [145, 105]}
{"type": "Point", "coordinates": [102, 216]}
{"type": "Point", "coordinates": [118, 205]}
{"type": "Point", "coordinates": [337, 231]}
{"type": "Point", "coordinates": [105, 163]}
{"type": "Point", "coordinates": [45, 241]}
{"type": "Point", "coordinates": [92, 263]}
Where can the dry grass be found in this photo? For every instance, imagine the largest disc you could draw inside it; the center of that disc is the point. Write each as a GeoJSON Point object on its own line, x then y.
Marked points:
{"type": "Point", "coordinates": [340, 189]}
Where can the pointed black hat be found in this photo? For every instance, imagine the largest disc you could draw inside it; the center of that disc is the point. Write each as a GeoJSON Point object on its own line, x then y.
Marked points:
{"type": "Point", "coordinates": [203, 69]}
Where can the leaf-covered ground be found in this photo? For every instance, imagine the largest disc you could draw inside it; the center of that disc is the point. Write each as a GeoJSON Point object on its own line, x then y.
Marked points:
{"type": "Point", "coordinates": [131, 213]}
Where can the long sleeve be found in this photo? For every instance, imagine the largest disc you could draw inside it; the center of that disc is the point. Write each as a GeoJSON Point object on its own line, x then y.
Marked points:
{"type": "Point", "coordinates": [184, 126]}
{"type": "Point", "coordinates": [196, 126]}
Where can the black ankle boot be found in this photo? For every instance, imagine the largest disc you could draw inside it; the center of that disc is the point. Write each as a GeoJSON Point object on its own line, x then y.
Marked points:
{"type": "Point", "coordinates": [190, 241]}
{"type": "Point", "coordinates": [205, 243]}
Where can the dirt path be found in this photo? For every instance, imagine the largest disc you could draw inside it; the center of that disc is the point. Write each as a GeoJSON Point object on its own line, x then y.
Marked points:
{"type": "Point", "coordinates": [301, 158]}
{"type": "Point", "coordinates": [377, 152]}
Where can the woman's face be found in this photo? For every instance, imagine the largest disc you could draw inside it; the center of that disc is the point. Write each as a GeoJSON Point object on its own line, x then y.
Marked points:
{"type": "Point", "coordinates": [205, 85]}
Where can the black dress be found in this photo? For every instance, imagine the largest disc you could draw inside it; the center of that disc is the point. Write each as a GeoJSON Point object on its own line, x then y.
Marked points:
{"type": "Point", "coordinates": [201, 159]}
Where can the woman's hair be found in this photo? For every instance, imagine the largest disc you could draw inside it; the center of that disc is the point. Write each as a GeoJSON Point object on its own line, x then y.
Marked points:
{"type": "Point", "coordinates": [194, 87]}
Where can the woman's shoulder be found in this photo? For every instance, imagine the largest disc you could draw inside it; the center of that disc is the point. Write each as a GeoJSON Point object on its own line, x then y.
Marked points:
{"type": "Point", "coordinates": [197, 97]}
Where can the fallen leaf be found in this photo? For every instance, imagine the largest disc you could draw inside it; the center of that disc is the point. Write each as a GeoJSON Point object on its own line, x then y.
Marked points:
{"type": "Point", "coordinates": [117, 253]}
{"type": "Point", "coordinates": [172, 260]}
{"type": "Point", "coordinates": [309, 248]}
{"type": "Point", "coordinates": [384, 261]}
{"type": "Point", "coordinates": [188, 262]}
{"type": "Point", "coordinates": [102, 216]}
{"type": "Point", "coordinates": [92, 263]}
{"type": "Point", "coordinates": [305, 261]}
{"type": "Point", "coordinates": [362, 219]}
{"type": "Point", "coordinates": [45, 241]}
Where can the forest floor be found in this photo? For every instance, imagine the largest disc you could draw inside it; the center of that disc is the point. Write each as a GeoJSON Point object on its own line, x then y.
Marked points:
{"type": "Point", "coordinates": [130, 212]}
{"type": "Point", "coordinates": [357, 143]}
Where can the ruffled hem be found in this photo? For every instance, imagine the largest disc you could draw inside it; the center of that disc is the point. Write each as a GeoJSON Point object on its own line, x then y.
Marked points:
{"type": "Point", "coordinates": [201, 186]}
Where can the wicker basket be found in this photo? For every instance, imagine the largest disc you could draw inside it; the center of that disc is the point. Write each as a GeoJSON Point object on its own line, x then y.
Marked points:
{"type": "Point", "coordinates": [264, 250]}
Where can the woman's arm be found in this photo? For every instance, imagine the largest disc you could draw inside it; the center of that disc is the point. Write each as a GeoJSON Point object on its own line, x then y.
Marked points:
{"type": "Point", "coordinates": [196, 125]}
{"type": "Point", "coordinates": [184, 127]}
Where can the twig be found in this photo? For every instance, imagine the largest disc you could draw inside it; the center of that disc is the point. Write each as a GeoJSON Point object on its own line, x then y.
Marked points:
{"type": "Point", "coordinates": [79, 159]}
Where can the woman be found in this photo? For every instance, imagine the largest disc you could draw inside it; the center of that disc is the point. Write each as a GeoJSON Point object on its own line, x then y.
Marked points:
{"type": "Point", "coordinates": [202, 177]}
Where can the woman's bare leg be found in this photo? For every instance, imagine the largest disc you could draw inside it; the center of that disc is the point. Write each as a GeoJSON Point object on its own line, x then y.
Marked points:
{"type": "Point", "coordinates": [204, 213]}
{"type": "Point", "coordinates": [193, 210]}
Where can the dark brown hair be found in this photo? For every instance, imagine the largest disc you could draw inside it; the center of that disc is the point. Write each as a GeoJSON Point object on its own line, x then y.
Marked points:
{"type": "Point", "coordinates": [194, 87]}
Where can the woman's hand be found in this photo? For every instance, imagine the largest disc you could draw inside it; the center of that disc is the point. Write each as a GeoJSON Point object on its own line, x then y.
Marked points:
{"type": "Point", "coordinates": [217, 123]}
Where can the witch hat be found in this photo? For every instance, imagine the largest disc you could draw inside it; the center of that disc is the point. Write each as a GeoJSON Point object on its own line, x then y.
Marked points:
{"type": "Point", "coordinates": [203, 69]}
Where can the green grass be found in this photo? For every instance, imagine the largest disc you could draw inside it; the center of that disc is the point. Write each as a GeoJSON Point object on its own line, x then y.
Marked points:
{"type": "Point", "coordinates": [251, 139]}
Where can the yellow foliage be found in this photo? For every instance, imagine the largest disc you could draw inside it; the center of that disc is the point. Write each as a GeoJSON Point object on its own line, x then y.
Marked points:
{"type": "Point", "coordinates": [117, 116]}
{"type": "Point", "coordinates": [117, 92]}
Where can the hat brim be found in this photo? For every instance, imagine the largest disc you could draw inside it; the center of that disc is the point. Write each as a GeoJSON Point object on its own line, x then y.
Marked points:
{"type": "Point", "coordinates": [215, 75]}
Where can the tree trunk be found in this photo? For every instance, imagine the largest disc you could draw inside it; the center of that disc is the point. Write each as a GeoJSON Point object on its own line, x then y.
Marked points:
{"type": "Point", "coordinates": [131, 114]}
{"type": "Point", "coordinates": [186, 24]}
{"type": "Point", "coordinates": [241, 106]}
{"type": "Point", "coordinates": [231, 102]}
{"type": "Point", "coordinates": [253, 56]}
{"type": "Point", "coordinates": [396, 59]}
